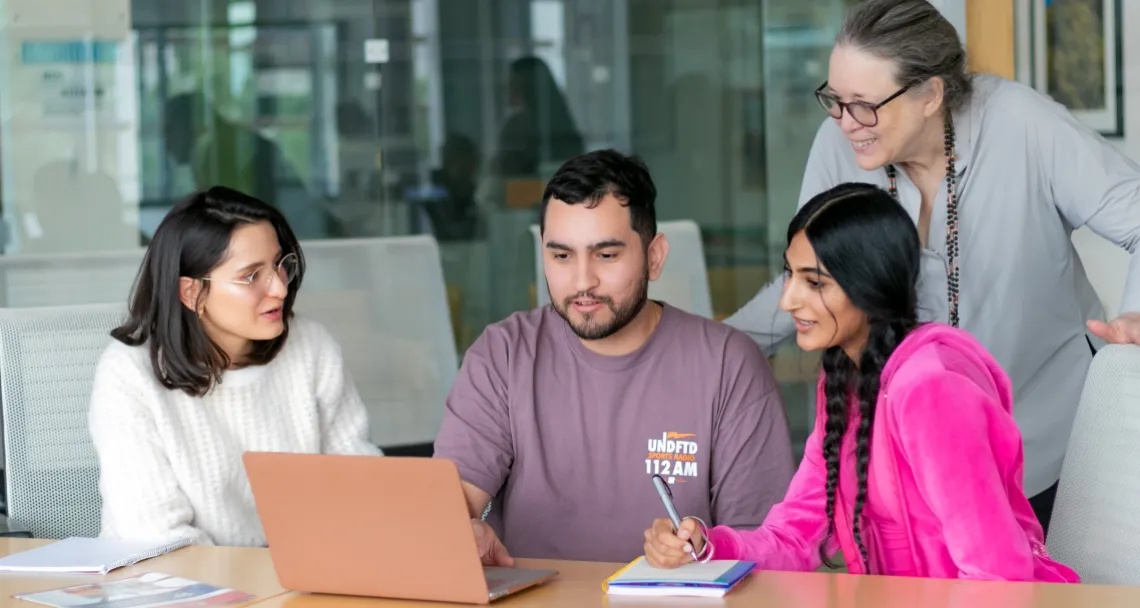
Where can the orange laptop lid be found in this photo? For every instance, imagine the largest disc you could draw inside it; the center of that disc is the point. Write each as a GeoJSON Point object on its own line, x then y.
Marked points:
{"type": "Point", "coordinates": [369, 526]}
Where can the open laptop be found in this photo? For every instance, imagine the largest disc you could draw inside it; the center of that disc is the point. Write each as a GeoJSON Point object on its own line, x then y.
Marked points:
{"type": "Point", "coordinates": [372, 526]}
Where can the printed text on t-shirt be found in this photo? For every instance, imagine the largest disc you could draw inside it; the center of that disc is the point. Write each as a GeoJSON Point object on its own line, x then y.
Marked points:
{"type": "Point", "coordinates": [672, 455]}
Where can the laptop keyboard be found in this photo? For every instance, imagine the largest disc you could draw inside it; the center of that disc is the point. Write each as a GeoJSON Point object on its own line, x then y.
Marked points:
{"type": "Point", "coordinates": [497, 577]}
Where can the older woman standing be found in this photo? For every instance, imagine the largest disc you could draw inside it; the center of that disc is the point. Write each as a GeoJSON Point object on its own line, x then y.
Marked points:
{"type": "Point", "coordinates": [996, 176]}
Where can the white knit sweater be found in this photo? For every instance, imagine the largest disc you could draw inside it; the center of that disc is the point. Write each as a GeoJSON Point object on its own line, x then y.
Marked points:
{"type": "Point", "coordinates": [170, 464]}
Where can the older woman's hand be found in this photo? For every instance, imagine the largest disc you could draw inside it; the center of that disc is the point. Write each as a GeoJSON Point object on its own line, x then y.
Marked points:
{"type": "Point", "coordinates": [1124, 329]}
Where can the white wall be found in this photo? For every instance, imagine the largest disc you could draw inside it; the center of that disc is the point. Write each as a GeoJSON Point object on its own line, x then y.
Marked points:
{"type": "Point", "coordinates": [955, 13]}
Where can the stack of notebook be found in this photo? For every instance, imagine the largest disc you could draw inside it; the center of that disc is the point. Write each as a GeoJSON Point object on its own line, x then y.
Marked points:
{"type": "Point", "coordinates": [87, 555]}
{"type": "Point", "coordinates": [712, 579]}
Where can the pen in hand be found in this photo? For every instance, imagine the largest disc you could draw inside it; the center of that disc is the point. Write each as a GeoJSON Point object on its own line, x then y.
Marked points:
{"type": "Point", "coordinates": [667, 499]}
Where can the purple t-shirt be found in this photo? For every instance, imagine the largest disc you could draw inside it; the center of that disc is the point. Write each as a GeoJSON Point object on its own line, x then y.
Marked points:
{"type": "Point", "coordinates": [566, 440]}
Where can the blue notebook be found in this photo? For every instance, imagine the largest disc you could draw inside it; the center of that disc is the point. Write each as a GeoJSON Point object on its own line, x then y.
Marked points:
{"type": "Point", "coordinates": [711, 579]}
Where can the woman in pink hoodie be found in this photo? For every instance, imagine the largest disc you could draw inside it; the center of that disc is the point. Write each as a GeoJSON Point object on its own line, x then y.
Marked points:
{"type": "Point", "coordinates": [914, 467]}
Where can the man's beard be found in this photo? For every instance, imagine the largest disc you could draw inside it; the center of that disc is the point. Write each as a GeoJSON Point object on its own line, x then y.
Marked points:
{"type": "Point", "coordinates": [590, 328]}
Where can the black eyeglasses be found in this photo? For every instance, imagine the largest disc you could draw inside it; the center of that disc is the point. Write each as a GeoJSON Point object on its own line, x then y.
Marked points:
{"type": "Point", "coordinates": [864, 113]}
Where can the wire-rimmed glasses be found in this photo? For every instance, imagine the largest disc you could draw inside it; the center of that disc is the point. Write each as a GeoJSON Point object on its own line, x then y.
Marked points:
{"type": "Point", "coordinates": [262, 278]}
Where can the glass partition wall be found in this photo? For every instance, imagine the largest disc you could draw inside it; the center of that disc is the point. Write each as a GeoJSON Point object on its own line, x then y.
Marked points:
{"type": "Point", "coordinates": [365, 118]}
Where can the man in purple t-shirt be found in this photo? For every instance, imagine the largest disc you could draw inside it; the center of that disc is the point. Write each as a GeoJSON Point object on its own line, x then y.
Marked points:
{"type": "Point", "coordinates": [563, 414]}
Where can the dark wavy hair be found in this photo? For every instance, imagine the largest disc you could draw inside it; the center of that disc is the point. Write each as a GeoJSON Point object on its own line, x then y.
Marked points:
{"type": "Point", "coordinates": [190, 242]}
{"type": "Point", "coordinates": [870, 246]}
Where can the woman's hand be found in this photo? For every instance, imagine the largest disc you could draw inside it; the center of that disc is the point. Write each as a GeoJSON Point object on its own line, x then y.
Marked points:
{"type": "Point", "coordinates": [667, 549]}
{"type": "Point", "coordinates": [1124, 329]}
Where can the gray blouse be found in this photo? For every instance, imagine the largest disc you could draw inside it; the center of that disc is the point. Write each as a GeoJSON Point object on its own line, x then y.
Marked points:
{"type": "Point", "coordinates": [1028, 175]}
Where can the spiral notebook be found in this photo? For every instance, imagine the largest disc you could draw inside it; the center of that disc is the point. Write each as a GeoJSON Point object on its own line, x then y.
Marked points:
{"type": "Point", "coordinates": [86, 555]}
{"type": "Point", "coordinates": [711, 579]}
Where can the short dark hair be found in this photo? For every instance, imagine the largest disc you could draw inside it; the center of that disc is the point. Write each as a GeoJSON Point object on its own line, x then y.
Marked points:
{"type": "Point", "coordinates": [190, 242]}
{"type": "Point", "coordinates": [591, 176]}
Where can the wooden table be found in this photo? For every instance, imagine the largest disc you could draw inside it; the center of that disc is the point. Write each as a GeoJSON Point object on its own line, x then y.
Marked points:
{"type": "Point", "coordinates": [579, 585]}
{"type": "Point", "coordinates": [248, 570]}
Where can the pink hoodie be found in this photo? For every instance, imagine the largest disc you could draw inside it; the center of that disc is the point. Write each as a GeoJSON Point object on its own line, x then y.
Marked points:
{"type": "Point", "coordinates": [944, 493]}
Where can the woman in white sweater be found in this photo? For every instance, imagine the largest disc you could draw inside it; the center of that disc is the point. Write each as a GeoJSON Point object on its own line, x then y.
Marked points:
{"type": "Point", "coordinates": [211, 364]}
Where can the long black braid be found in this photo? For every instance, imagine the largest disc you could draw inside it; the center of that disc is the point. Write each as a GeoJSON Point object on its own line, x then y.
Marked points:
{"type": "Point", "coordinates": [843, 380]}
{"type": "Point", "coordinates": [839, 372]}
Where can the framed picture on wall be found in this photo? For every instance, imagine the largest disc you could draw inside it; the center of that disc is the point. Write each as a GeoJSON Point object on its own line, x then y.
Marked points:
{"type": "Point", "coordinates": [1077, 59]}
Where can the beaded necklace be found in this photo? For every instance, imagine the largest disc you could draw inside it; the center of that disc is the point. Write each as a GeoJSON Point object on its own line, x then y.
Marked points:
{"type": "Point", "coordinates": [951, 219]}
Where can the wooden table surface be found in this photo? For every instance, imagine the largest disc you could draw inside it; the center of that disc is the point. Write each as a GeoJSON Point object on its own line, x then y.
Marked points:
{"type": "Point", "coordinates": [248, 570]}
{"type": "Point", "coordinates": [579, 584]}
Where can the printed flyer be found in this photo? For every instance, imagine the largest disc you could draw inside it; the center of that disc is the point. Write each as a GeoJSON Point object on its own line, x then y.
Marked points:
{"type": "Point", "coordinates": [150, 589]}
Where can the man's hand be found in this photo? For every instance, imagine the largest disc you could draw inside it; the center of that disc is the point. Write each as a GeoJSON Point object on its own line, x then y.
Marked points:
{"type": "Point", "coordinates": [477, 500]}
{"type": "Point", "coordinates": [1124, 329]}
{"type": "Point", "coordinates": [491, 549]}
